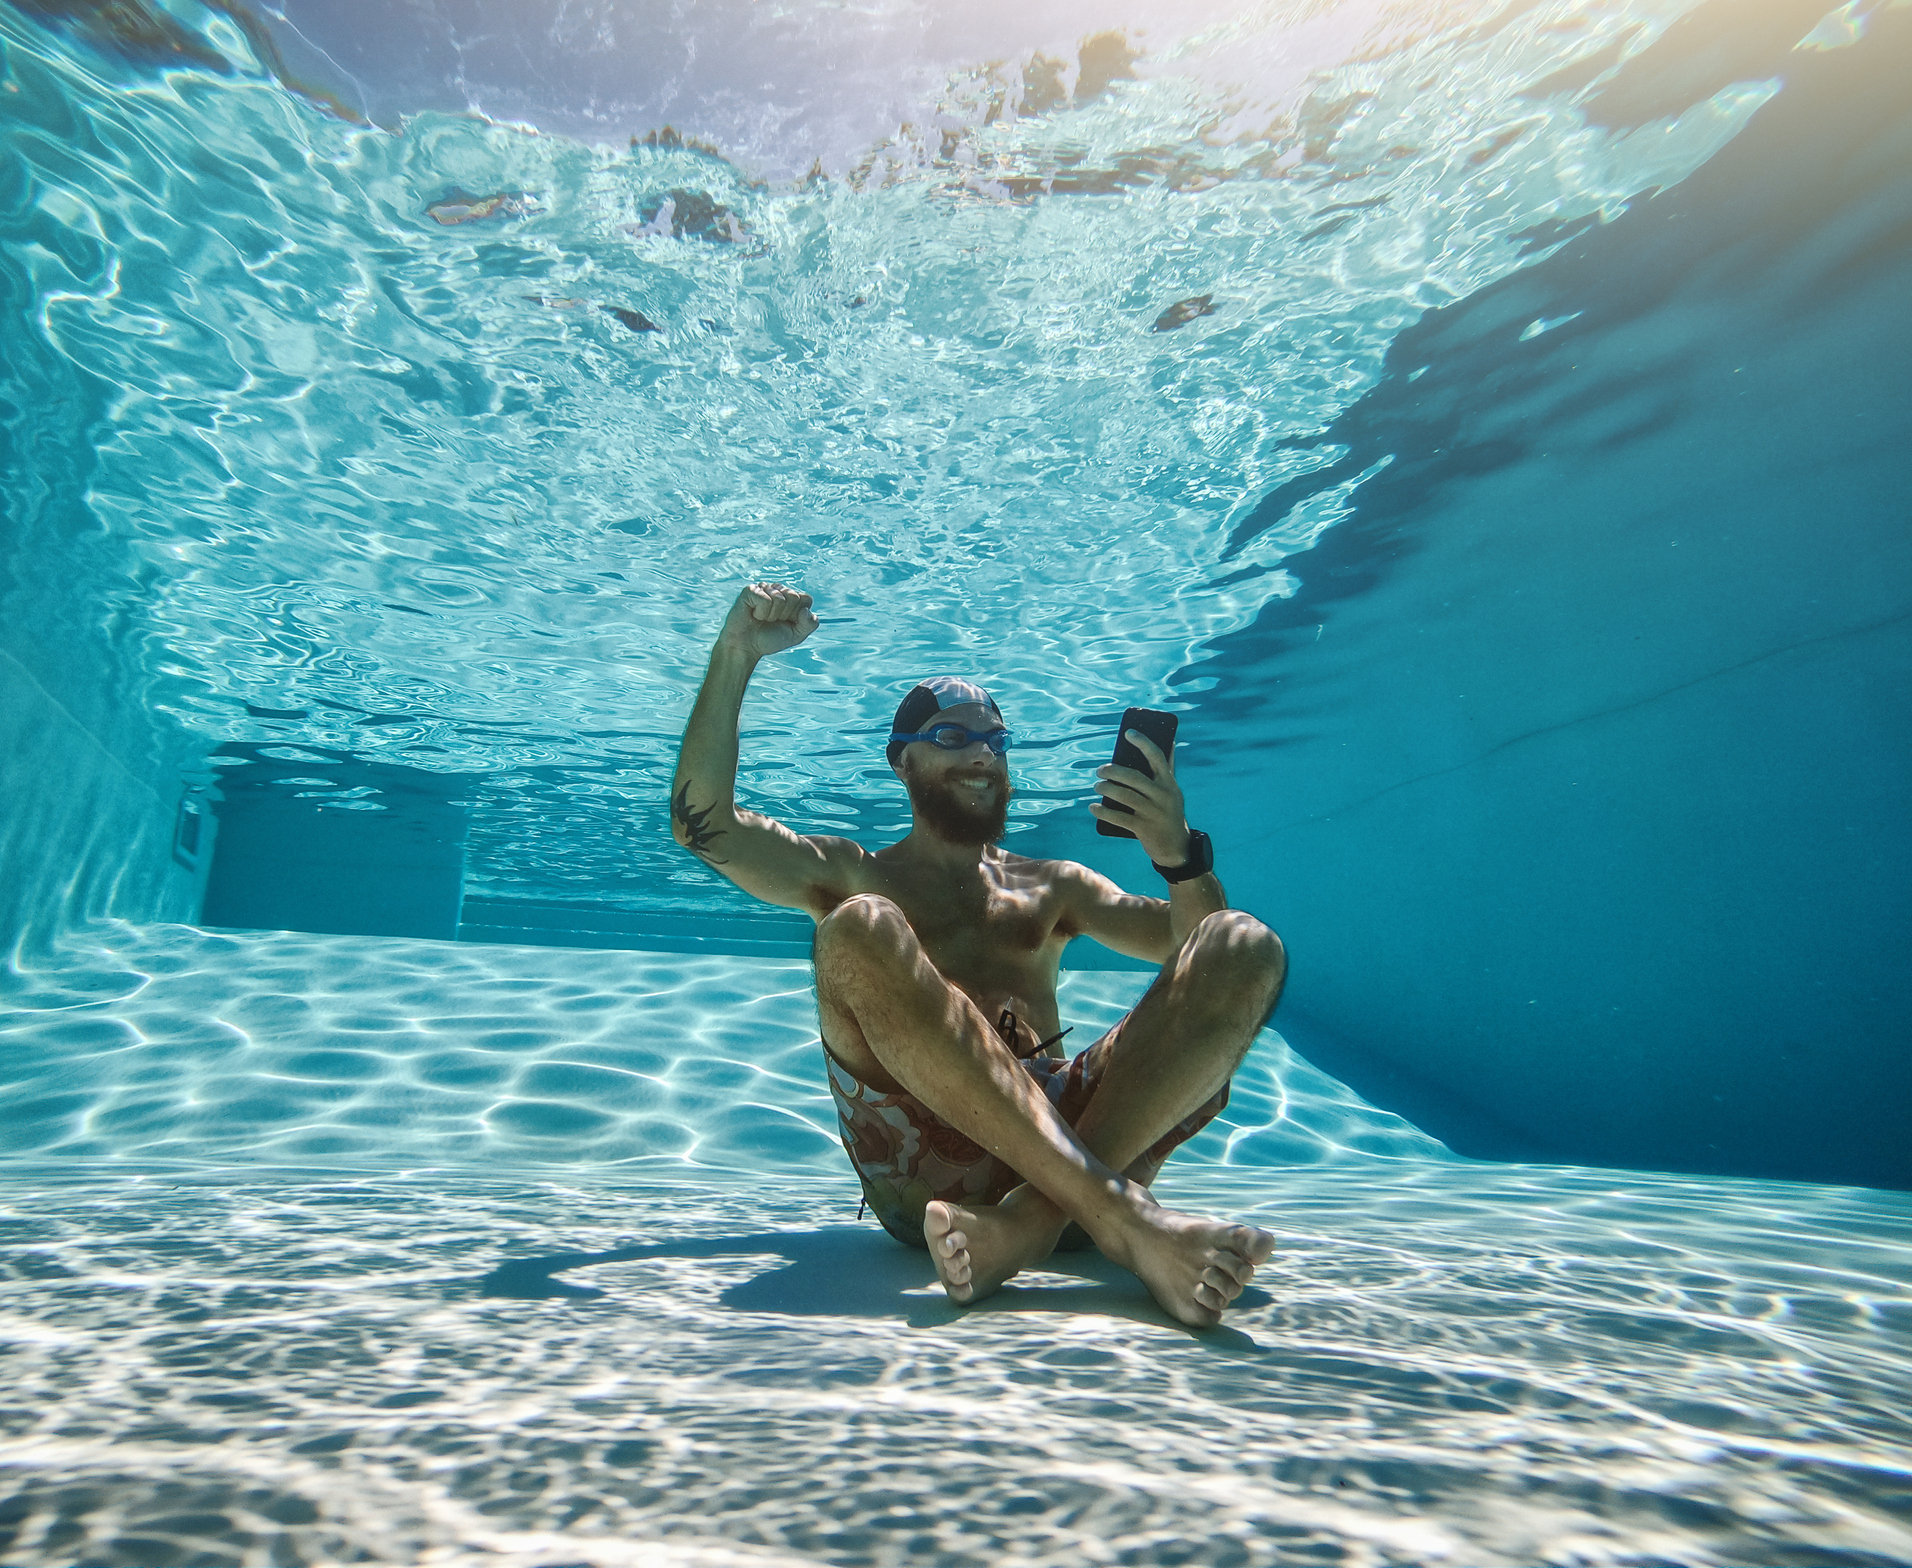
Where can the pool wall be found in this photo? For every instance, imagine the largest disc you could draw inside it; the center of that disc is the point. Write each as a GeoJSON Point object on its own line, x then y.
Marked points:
{"type": "Point", "coordinates": [93, 782]}
{"type": "Point", "coordinates": [1591, 782]}
{"type": "Point", "coordinates": [86, 833]}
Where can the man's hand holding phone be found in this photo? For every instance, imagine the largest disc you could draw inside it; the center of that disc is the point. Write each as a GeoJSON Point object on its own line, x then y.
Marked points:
{"type": "Point", "coordinates": [1155, 811]}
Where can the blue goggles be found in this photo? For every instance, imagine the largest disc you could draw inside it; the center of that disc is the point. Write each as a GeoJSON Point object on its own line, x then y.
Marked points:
{"type": "Point", "coordinates": [955, 737]}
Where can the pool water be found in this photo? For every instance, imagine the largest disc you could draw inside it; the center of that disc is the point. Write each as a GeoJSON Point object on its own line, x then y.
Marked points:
{"type": "Point", "coordinates": [1482, 423]}
{"type": "Point", "coordinates": [388, 490]}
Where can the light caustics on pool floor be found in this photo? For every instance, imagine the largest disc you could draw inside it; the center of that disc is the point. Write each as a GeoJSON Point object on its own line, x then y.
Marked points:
{"type": "Point", "coordinates": [1444, 1363]}
{"type": "Point", "coordinates": [499, 1330]}
{"type": "Point", "coordinates": [171, 1043]}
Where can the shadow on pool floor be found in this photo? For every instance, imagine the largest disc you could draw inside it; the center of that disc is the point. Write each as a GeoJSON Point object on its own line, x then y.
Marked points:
{"type": "Point", "coordinates": [853, 1271]}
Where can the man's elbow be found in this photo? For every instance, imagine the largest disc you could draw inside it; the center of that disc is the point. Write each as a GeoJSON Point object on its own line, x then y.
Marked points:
{"type": "Point", "coordinates": [699, 828]}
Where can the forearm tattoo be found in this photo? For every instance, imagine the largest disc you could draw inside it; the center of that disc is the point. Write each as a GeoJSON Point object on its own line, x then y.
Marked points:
{"type": "Point", "coordinates": [694, 826]}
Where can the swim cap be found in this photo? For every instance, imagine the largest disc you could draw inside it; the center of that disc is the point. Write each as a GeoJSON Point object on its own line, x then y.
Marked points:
{"type": "Point", "coordinates": [929, 699]}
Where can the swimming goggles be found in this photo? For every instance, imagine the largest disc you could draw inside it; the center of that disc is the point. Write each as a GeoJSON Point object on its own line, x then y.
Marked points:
{"type": "Point", "coordinates": [955, 737]}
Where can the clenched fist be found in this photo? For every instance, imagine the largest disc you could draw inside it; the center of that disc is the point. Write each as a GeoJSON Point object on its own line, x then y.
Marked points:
{"type": "Point", "coordinates": [767, 618]}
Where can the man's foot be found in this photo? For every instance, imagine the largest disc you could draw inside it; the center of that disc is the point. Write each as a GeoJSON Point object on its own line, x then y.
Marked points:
{"type": "Point", "coordinates": [1193, 1267]}
{"type": "Point", "coordinates": [977, 1249]}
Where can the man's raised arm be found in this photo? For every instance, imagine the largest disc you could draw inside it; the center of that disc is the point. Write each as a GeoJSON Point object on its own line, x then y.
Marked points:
{"type": "Point", "coordinates": [762, 856]}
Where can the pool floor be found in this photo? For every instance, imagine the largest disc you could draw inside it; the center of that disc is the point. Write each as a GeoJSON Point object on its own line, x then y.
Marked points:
{"type": "Point", "coordinates": [1444, 1363]}
{"type": "Point", "coordinates": [330, 1249]}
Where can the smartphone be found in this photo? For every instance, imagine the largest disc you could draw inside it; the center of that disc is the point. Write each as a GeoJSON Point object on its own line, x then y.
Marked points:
{"type": "Point", "coordinates": [1160, 728]}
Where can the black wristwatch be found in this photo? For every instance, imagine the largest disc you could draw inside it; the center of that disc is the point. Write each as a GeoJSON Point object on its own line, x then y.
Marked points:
{"type": "Point", "coordinates": [1201, 860]}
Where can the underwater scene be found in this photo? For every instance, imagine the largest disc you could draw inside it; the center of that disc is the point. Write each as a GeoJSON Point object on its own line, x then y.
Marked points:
{"type": "Point", "coordinates": [1482, 423]}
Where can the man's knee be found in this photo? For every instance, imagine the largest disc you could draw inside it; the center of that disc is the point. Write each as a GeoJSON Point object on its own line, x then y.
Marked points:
{"type": "Point", "coordinates": [866, 926]}
{"type": "Point", "coordinates": [1235, 945]}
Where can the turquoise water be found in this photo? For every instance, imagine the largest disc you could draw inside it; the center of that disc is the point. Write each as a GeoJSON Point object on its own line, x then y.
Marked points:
{"type": "Point", "coordinates": [1482, 423]}
{"type": "Point", "coordinates": [365, 472]}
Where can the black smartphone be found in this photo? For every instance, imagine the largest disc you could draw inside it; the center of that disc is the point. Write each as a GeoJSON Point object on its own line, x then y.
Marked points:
{"type": "Point", "coordinates": [1160, 728]}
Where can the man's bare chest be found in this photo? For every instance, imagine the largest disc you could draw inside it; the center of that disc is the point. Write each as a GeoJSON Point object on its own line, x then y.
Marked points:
{"type": "Point", "coordinates": [973, 933]}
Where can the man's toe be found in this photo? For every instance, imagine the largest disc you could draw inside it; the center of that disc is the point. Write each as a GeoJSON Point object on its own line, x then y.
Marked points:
{"type": "Point", "coordinates": [1223, 1282]}
{"type": "Point", "coordinates": [1254, 1245]}
{"type": "Point", "coordinates": [1239, 1265]}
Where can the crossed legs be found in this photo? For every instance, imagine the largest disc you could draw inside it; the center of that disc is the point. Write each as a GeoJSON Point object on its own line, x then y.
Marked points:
{"type": "Point", "coordinates": [888, 1014]}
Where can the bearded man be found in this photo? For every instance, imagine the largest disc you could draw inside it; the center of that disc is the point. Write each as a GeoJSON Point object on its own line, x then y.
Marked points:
{"type": "Point", "coordinates": [936, 961]}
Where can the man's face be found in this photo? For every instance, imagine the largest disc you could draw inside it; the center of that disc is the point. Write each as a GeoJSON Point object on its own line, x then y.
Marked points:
{"type": "Point", "coordinates": [961, 796]}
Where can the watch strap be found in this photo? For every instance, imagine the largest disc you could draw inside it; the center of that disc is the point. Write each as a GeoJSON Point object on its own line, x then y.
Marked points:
{"type": "Point", "coordinates": [1201, 860]}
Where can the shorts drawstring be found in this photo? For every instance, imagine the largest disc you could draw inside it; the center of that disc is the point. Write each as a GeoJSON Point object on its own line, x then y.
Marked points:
{"type": "Point", "coordinates": [1006, 1027]}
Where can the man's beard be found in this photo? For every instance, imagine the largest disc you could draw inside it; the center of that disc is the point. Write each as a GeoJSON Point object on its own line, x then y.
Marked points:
{"type": "Point", "coordinates": [953, 816]}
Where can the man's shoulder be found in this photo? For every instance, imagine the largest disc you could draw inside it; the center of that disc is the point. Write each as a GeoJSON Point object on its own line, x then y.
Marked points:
{"type": "Point", "coordinates": [836, 844]}
{"type": "Point", "coordinates": [1083, 886]}
{"type": "Point", "coordinates": [844, 853]}
{"type": "Point", "coordinates": [1057, 873]}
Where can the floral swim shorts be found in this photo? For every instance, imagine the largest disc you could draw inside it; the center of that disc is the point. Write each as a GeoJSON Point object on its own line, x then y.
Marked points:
{"type": "Point", "coordinates": [905, 1155]}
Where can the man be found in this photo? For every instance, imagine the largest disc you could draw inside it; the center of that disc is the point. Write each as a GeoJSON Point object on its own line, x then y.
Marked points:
{"type": "Point", "coordinates": [936, 965]}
